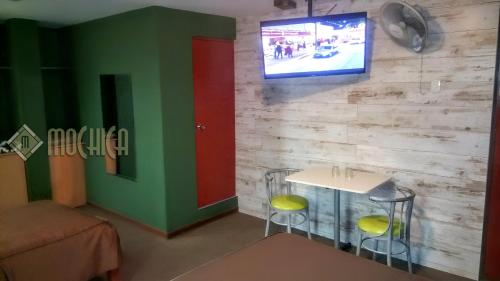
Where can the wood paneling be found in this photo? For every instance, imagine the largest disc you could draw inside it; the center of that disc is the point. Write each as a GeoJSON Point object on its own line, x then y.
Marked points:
{"type": "Point", "coordinates": [67, 177]}
{"type": "Point", "coordinates": [13, 191]}
{"type": "Point", "coordinates": [389, 120]}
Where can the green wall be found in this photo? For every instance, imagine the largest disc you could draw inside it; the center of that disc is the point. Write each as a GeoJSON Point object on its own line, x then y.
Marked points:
{"type": "Point", "coordinates": [57, 77]}
{"type": "Point", "coordinates": [29, 102]}
{"type": "Point", "coordinates": [35, 89]}
{"type": "Point", "coordinates": [154, 46]}
{"type": "Point", "coordinates": [124, 44]}
{"type": "Point", "coordinates": [175, 30]}
{"type": "Point", "coordinates": [7, 112]}
{"type": "Point", "coordinates": [7, 124]}
{"type": "Point", "coordinates": [62, 75]}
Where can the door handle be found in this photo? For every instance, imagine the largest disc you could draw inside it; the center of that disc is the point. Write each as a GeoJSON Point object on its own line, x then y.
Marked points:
{"type": "Point", "coordinates": [201, 127]}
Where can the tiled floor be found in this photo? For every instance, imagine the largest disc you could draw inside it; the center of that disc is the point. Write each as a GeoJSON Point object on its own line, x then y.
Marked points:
{"type": "Point", "coordinates": [149, 257]}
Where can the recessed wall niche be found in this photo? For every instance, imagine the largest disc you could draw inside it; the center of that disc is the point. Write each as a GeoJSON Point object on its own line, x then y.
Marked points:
{"type": "Point", "coordinates": [118, 112]}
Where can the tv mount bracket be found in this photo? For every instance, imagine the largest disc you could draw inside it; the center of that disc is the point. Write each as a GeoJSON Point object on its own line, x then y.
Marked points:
{"type": "Point", "coordinates": [309, 8]}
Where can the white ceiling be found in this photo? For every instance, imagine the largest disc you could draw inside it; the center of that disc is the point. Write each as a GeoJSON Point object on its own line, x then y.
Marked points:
{"type": "Point", "coordinates": [66, 12]}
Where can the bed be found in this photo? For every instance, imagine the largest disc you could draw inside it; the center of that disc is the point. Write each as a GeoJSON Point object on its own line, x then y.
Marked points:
{"type": "Point", "coordinates": [46, 241]}
{"type": "Point", "coordinates": [290, 257]}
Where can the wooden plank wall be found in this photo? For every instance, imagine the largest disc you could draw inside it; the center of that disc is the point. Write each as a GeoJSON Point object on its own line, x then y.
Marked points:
{"type": "Point", "coordinates": [389, 120]}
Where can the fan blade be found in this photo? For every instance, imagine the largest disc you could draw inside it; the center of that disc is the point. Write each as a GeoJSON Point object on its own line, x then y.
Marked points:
{"type": "Point", "coordinates": [397, 31]}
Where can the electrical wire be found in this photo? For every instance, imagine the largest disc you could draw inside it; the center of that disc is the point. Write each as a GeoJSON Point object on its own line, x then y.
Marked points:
{"type": "Point", "coordinates": [331, 9]}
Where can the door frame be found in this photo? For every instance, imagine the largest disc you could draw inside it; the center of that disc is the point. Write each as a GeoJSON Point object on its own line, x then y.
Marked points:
{"type": "Point", "coordinates": [206, 38]}
{"type": "Point", "coordinates": [491, 158]}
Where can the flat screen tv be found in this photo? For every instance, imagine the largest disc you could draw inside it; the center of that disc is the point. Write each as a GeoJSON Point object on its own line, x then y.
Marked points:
{"type": "Point", "coordinates": [314, 46]}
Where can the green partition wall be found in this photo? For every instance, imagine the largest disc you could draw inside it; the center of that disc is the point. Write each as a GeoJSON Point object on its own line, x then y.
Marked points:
{"type": "Point", "coordinates": [124, 44]}
{"type": "Point", "coordinates": [153, 45]}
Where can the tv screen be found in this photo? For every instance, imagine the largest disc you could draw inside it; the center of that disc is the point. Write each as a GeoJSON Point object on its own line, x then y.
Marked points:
{"type": "Point", "coordinates": [327, 45]}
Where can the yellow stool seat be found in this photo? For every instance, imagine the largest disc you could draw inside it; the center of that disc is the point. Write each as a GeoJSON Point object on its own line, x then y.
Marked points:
{"type": "Point", "coordinates": [377, 225]}
{"type": "Point", "coordinates": [289, 202]}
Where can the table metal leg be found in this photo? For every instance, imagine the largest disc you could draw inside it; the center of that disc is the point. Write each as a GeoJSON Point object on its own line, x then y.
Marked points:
{"type": "Point", "coordinates": [336, 202]}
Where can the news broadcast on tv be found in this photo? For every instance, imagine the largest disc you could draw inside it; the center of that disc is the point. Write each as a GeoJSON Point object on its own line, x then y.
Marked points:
{"type": "Point", "coordinates": [320, 46]}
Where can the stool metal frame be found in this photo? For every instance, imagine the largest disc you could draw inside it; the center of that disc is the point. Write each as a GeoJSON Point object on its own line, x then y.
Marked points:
{"type": "Point", "coordinates": [276, 186]}
{"type": "Point", "coordinates": [392, 196]}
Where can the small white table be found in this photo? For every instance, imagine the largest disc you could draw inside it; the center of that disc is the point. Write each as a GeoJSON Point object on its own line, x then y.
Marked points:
{"type": "Point", "coordinates": [359, 182]}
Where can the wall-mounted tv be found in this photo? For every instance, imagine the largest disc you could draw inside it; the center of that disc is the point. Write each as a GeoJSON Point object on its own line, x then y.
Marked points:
{"type": "Point", "coordinates": [327, 45]}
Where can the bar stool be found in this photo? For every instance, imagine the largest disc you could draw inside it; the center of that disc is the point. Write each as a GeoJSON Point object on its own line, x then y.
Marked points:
{"type": "Point", "coordinates": [282, 201]}
{"type": "Point", "coordinates": [387, 227]}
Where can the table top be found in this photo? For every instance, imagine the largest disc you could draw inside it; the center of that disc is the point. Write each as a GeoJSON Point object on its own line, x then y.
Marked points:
{"type": "Point", "coordinates": [359, 182]}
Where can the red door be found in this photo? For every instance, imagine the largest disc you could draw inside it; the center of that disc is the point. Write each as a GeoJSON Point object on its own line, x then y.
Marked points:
{"type": "Point", "coordinates": [213, 73]}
